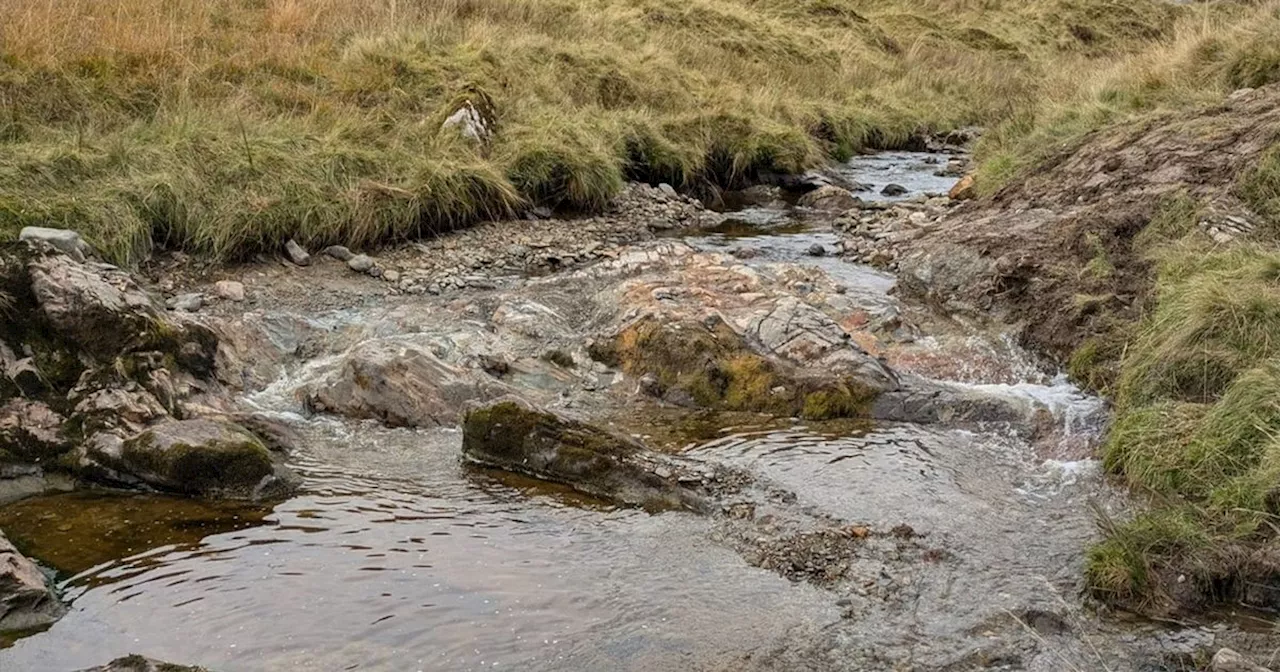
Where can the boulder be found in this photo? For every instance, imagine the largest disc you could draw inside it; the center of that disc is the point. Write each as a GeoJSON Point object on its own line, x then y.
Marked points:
{"type": "Point", "coordinates": [196, 457]}
{"type": "Point", "coordinates": [829, 198]}
{"type": "Point", "coordinates": [64, 240]}
{"type": "Point", "coordinates": [26, 600]}
{"type": "Point", "coordinates": [512, 435]}
{"type": "Point", "coordinates": [708, 364]}
{"type": "Point", "coordinates": [400, 384]}
{"type": "Point", "coordinates": [30, 431]}
{"type": "Point", "coordinates": [893, 190]}
{"type": "Point", "coordinates": [137, 663]}
{"type": "Point", "coordinates": [98, 308]}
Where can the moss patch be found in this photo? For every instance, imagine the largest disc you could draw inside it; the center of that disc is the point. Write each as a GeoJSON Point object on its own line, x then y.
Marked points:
{"type": "Point", "coordinates": [711, 364]}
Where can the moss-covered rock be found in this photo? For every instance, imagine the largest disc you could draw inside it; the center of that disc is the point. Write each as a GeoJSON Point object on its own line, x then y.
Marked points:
{"type": "Point", "coordinates": [513, 436]}
{"type": "Point", "coordinates": [199, 457]}
{"type": "Point", "coordinates": [712, 366]}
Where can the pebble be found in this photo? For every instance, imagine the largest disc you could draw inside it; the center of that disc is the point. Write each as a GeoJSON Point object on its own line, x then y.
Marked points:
{"type": "Point", "coordinates": [391, 275]}
{"type": "Point", "coordinates": [360, 263]}
{"type": "Point", "coordinates": [187, 303]}
{"type": "Point", "coordinates": [339, 252]}
{"type": "Point", "coordinates": [296, 253]}
{"type": "Point", "coordinates": [668, 190]}
{"type": "Point", "coordinates": [229, 289]}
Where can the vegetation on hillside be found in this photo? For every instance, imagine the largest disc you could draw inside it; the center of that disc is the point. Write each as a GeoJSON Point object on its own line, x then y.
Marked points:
{"type": "Point", "coordinates": [223, 126]}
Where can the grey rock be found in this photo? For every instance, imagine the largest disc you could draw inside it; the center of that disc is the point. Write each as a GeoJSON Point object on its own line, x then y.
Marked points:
{"type": "Point", "coordinates": [470, 123]}
{"type": "Point", "coordinates": [541, 212]}
{"type": "Point", "coordinates": [816, 250]}
{"type": "Point", "coordinates": [64, 240]}
{"type": "Point", "coordinates": [187, 303]}
{"type": "Point", "coordinates": [893, 190]}
{"type": "Point", "coordinates": [512, 435]}
{"type": "Point", "coordinates": [668, 190]}
{"type": "Point", "coordinates": [197, 457]}
{"type": "Point", "coordinates": [360, 263]}
{"type": "Point", "coordinates": [400, 384]}
{"type": "Point", "coordinates": [375, 272]}
{"type": "Point", "coordinates": [829, 198]}
{"type": "Point", "coordinates": [517, 250]}
{"type": "Point", "coordinates": [230, 290]}
{"type": "Point", "coordinates": [26, 601]}
{"type": "Point", "coordinates": [391, 275]}
{"type": "Point", "coordinates": [649, 385]}
{"type": "Point", "coordinates": [31, 431]}
{"type": "Point", "coordinates": [26, 376]}
{"type": "Point", "coordinates": [339, 252]}
{"type": "Point", "coordinates": [297, 254]}
{"type": "Point", "coordinates": [1227, 660]}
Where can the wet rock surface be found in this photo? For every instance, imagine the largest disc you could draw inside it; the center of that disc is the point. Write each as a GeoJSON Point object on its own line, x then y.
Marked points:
{"type": "Point", "coordinates": [26, 600]}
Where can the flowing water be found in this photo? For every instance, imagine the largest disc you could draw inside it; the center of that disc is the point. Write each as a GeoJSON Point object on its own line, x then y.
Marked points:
{"type": "Point", "coordinates": [397, 557]}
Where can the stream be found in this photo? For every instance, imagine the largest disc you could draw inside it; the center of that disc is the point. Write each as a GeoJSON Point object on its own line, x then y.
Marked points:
{"type": "Point", "coordinates": [395, 556]}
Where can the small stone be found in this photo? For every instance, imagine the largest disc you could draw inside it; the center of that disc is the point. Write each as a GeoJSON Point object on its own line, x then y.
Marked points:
{"type": "Point", "coordinates": [296, 253]}
{"type": "Point", "coordinates": [517, 250]}
{"type": "Point", "coordinates": [1227, 660]}
{"type": "Point", "coordinates": [649, 385]}
{"type": "Point", "coordinates": [229, 290]}
{"type": "Point", "coordinates": [541, 212]}
{"type": "Point", "coordinates": [893, 190]}
{"type": "Point", "coordinates": [339, 252]}
{"type": "Point", "coordinates": [918, 219]}
{"type": "Point", "coordinates": [375, 272]}
{"type": "Point", "coordinates": [187, 303]}
{"type": "Point", "coordinates": [668, 190]}
{"type": "Point", "coordinates": [391, 275]}
{"type": "Point", "coordinates": [963, 190]}
{"type": "Point", "coordinates": [816, 250]}
{"type": "Point", "coordinates": [360, 263]}
{"type": "Point", "coordinates": [433, 289]}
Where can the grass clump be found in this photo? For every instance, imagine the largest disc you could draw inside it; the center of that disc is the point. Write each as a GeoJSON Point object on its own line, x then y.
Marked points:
{"type": "Point", "coordinates": [225, 127]}
{"type": "Point", "coordinates": [1198, 428]}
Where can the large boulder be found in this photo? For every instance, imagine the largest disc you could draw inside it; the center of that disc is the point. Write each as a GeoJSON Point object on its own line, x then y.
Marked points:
{"type": "Point", "coordinates": [195, 457]}
{"type": "Point", "coordinates": [514, 436]}
{"type": "Point", "coordinates": [30, 431]}
{"type": "Point", "coordinates": [26, 601]}
{"type": "Point", "coordinates": [400, 384]}
{"type": "Point", "coordinates": [708, 364]}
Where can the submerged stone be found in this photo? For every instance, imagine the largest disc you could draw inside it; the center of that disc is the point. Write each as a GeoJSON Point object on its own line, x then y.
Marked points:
{"type": "Point", "coordinates": [514, 436]}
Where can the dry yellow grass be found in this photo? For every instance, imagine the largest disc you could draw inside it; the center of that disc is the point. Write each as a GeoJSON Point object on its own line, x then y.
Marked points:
{"type": "Point", "coordinates": [222, 125]}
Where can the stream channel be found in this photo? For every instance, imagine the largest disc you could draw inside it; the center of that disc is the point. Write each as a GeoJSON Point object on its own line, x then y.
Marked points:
{"type": "Point", "coordinates": [396, 556]}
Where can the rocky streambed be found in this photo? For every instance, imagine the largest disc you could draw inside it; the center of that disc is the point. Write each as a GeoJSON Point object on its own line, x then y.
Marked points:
{"type": "Point", "coordinates": [664, 438]}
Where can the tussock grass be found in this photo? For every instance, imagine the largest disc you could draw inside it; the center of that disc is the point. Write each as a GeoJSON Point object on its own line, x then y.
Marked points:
{"type": "Point", "coordinates": [221, 126]}
{"type": "Point", "coordinates": [1205, 55]}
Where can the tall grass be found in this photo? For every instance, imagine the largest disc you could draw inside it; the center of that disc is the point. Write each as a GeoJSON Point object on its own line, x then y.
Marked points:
{"type": "Point", "coordinates": [221, 126]}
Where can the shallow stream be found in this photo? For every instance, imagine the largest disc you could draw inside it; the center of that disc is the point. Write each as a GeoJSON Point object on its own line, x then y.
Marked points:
{"type": "Point", "coordinates": [397, 557]}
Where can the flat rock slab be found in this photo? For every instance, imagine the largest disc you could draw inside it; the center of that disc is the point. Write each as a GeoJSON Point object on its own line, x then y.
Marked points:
{"type": "Point", "coordinates": [514, 436]}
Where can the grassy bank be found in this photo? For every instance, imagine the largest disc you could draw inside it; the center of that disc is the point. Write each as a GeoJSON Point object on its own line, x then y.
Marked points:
{"type": "Point", "coordinates": [1197, 423]}
{"type": "Point", "coordinates": [1204, 56]}
{"type": "Point", "coordinates": [223, 126]}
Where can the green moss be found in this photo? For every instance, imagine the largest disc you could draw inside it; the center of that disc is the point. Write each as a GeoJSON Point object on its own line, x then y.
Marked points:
{"type": "Point", "coordinates": [837, 402]}
{"type": "Point", "coordinates": [224, 457]}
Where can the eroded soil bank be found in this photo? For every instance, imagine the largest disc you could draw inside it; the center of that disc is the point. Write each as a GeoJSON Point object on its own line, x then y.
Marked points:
{"type": "Point", "coordinates": [845, 479]}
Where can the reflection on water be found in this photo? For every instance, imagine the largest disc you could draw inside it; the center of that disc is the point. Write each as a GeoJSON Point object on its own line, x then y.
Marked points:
{"type": "Point", "coordinates": [442, 567]}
